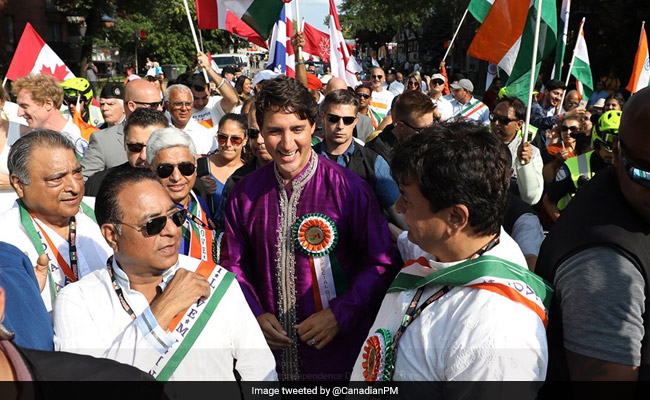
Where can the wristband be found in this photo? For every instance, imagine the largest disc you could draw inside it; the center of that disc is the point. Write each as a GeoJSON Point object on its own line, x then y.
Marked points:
{"type": "Point", "coordinates": [221, 84]}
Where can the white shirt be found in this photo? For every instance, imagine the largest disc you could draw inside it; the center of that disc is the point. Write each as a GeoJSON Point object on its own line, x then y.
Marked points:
{"type": "Point", "coordinates": [204, 139]}
{"type": "Point", "coordinates": [481, 113]}
{"type": "Point", "coordinates": [380, 103]}
{"type": "Point", "coordinates": [530, 180]}
{"type": "Point", "coordinates": [73, 133]}
{"type": "Point", "coordinates": [467, 334]}
{"type": "Point", "coordinates": [443, 106]}
{"type": "Point", "coordinates": [92, 249]}
{"type": "Point", "coordinates": [89, 319]}
{"type": "Point", "coordinates": [395, 87]}
{"type": "Point", "coordinates": [211, 114]}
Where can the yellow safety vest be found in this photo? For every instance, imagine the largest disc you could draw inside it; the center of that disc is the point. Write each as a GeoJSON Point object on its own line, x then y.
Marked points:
{"type": "Point", "coordinates": [578, 166]}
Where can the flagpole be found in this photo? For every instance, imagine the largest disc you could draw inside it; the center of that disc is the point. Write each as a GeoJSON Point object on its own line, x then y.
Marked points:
{"type": "Point", "coordinates": [201, 41]}
{"type": "Point", "coordinates": [196, 41]}
{"type": "Point", "coordinates": [573, 57]}
{"type": "Point", "coordinates": [296, 29]}
{"type": "Point", "coordinates": [455, 34]}
{"type": "Point", "coordinates": [533, 68]}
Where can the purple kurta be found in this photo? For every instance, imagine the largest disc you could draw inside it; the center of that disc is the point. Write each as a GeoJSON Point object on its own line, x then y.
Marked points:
{"type": "Point", "coordinates": [257, 230]}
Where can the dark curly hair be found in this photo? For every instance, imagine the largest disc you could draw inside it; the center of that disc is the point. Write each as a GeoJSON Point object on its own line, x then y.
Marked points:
{"type": "Point", "coordinates": [458, 163]}
{"type": "Point", "coordinates": [286, 94]}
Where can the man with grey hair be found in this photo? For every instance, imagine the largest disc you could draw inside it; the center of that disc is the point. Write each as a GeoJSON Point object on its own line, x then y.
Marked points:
{"type": "Point", "coordinates": [49, 218]}
{"type": "Point", "coordinates": [105, 148]}
{"type": "Point", "coordinates": [172, 156]}
{"type": "Point", "coordinates": [179, 100]}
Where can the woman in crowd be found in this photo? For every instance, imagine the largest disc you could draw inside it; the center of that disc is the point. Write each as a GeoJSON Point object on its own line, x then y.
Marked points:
{"type": "Point", "coordinates": [614, 102]}
{"type": "Point", "coordinates": [414, 82]}
{"type": "Point", "coordinates": [243, 87]}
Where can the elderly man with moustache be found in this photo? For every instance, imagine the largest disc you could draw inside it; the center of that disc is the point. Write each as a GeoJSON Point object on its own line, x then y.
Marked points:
{"type": "Point", "coordinates": [172, 316]}
{"type": "Point", "coordinates": [178, 101]}
{"type": "Point", "coordinates": [105, 148]}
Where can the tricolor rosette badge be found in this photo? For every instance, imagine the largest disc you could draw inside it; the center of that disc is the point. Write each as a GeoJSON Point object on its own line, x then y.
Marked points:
{"type": "Point", "coordinates": [378, 362]}
{"type": "Point", "coordinates": [316, 235]}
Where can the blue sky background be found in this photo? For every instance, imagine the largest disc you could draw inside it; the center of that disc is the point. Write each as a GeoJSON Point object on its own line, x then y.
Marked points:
{"type": "Point", "coordinates": [315, 11]}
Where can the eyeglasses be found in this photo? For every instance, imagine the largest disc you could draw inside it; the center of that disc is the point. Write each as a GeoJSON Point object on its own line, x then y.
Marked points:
{"type": "Point", "coordinates": [135, 147]}
{"type": "Point", "coordinates": [222, 139]}
{"type": "Point", "coordinates": [155, 225]}
{"type": "Point", "coordinates": [154, 104]}
{"type": "Point", "coordinates": [565, 128]}
{"type": "Point", "coordinates": [334, 119]}
{"type": "Point", "coordinates": [637, 175]}
{"type": "Point", "coordinates": [437, 82]}
{"type": "Point", "coordinates": [376, 76]}
{"type": "Point", "coordinates": [502, 120]}
{"type": "Point", "coordinates": [185, 168]}
{"type": "Point", "coordinates": [253, 133]}
{"type": "Point", "coordinates": [363, 96]}
{"type": "Point", "coordinates": [417, 130]}
{"type": "Point", "coordinates": [181, 104]}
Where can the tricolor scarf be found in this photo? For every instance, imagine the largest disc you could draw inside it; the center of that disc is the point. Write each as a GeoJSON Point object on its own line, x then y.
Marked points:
{"type": "Point", "coordinates": [199, 239]}
{"type": "Point", "coordinates": [471, 108]}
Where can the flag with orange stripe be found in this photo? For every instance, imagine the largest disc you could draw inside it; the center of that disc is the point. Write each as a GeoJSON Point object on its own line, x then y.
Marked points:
{"type": "Point", "coordinates": [641, 70]}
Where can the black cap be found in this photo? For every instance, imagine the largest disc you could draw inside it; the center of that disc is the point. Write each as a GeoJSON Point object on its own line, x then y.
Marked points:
{"type": "Point", "coordinates": [229, 69]}
{"type": "Point", "coordinates": [391, 71]}
{"type": "Point", "coordinates": [112, 91]}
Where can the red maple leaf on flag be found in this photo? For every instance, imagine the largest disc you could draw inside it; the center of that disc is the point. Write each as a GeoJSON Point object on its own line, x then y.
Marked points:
{"type": "Point", "coordinates": [60, 71]}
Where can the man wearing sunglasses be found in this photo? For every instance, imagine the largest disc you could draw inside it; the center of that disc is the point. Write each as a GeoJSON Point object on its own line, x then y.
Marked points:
{"type": "Point", "coordinates": [339, 115]}
{"type": "Point", "coordinates": [178, 101]}
{"type": "Point", "coordinates": [172, 316]}
{"type": "Point", "coordinates": [49, 219]}
{"type": "Point", "coordinates": [105, 149]}
{"type": "Point", "coordinates": [577, 171]}
{"type": "Point", "coordinates": [302, 214]}
{"type": "Point", "coordinates": [381, 98]}
{"type": "Point", "coordinates": [436, 86]}
{"type": "Point", "coordinates": [597, 257]}
{"type": "Point", "coordinates": [139, 126]}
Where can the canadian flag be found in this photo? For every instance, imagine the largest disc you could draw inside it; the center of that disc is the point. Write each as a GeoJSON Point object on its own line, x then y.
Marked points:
{"type": "Point", "coordinates": [343, 65]}
{"type": "Point", "coordinates": [33, 56]}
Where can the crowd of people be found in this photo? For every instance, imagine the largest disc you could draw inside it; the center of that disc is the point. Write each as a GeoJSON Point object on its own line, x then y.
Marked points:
{"type": "Point", "coordinates": [279, 228]}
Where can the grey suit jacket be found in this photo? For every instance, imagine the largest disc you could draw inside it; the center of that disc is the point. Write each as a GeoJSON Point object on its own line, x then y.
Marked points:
{"type": "Point", "coordinates": [106, 150]}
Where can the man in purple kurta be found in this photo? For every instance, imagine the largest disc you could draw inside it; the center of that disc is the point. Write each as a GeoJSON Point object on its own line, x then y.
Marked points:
{"type": "Point", "coordinates": [308, 243]}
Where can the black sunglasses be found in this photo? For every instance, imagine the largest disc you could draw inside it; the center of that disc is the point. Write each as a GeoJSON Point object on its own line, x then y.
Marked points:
{"type": "Point", "coordinates": [437, 82]}
{"type": "Point", "coordinates": [334, 119]}
{"type": "Point", "coordinates": [154, 104]}
{"type": "Point", "coordinates": [253, 133]}
{"type": "Point", "coordinates": [165, 170]}
{"type": "Point", "coordinates": [376, 76]}
{"type": "Point", "coordinates": [502, 120]}
{"type": "Point", "coordinates": [135, 147]}
{"type": "Point", "coordinates": [155, 225]}
{"type": "Point", "coordinates": [565, 128]}
{"type": "Point", "coordinates": [637, 175]}
{"type": "Point", "coordinates": [417, 130]}
{"type": "Point", "coordinates": [363, 95]}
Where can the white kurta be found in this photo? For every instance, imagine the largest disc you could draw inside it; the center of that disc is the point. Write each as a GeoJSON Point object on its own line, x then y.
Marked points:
{"type": "Point", "coordinates": [467, 334]}
{"type": "Point", "coordinates": [92, 249]}
{"type": "Point", "coordinates": [89, 319]}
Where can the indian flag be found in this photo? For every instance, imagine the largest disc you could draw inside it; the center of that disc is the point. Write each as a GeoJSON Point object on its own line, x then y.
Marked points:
{"type": "Point", "coordinates": [561, 43]}
{"type": "Point", "coordinates": [506, 38]}
{"type": "Point", "coordinates": [258, 14]}
{"type": "Point", "coordinates": [641, 70]}
{"type": "Point", "coordinates": [480, 8]}
{"type": "Point", "coordinates": [581, 69]}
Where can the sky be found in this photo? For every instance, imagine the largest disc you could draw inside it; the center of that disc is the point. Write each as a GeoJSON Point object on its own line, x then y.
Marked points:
{"type": "Point", "coordinates": [315, 11]}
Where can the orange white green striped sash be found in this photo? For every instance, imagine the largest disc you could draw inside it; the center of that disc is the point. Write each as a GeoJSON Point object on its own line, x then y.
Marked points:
{"type": "Point", "coordinates": [486, 272]}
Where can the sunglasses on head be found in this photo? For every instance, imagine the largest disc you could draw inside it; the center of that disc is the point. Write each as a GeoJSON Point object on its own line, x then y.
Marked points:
{"type": "Point", "coordinates": [376, 76]}
{"type": "Point", "coordinates": [637, 175]}
{"type": "Point", "coordinates": [565, 128]}
{"type": "Point", "coordinates": [253, 133]}
{"type": "Point", "coordinates": [135, 147]}
{"type": "Point", "coordinates": [363, 95]}
{"type": "Point", "coordinates": [222, 139]}
{"type": "Point", "coordinates": [334, 119]}
{"type": "Point", "coordinates": [155, 225]}
{"type": "Point", "coordinates": [502, 120]}
{"type": "Point", "coordinates": [185, 168]}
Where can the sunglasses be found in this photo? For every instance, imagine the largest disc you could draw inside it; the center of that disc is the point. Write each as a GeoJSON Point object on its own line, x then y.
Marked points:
{"type": "Point", "coordinates": [417, 130]}
{"type": "Point", "coordinates": [135, 147]}
{"type": "Point", "coordinates": [637, 175]}
{"type": "Point", "coordinates": [502, 120]}
{"type": "Point", "coordinates": [185, 168]}
{"type": "Point", "coordinates": [334, 119]}
{"type": "Point", "coordinates": [412, 84]}
{"type": "Point", "coordinates": [155, 225]}
{"type": "Point", "coordinates": [154, 104]}
{"type": "Point", "coordinates": [222, 139]}
{"type": "Point", "coordinates": [376, 76]}
{"type": "Point", "coordinates": [253, 133]}
{"type": "Point", "coordinates": [363, 96]}
{"type": "Point", "coordinates": [437, 82]}
{"type": "Point", "coordinates": [565, 128]}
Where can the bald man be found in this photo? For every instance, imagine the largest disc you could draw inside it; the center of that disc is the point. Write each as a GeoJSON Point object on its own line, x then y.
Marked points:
{"type": "Point", "coordinates": [597, 257]}
{"type": "Point", "coordinates": [571, 100]}
{"type": "Point", "coordinates": [106, 148]}
{"type": "Point", "coordinates": [381, 99]}
{"type": "Point", "coordinates": [335, 84]}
